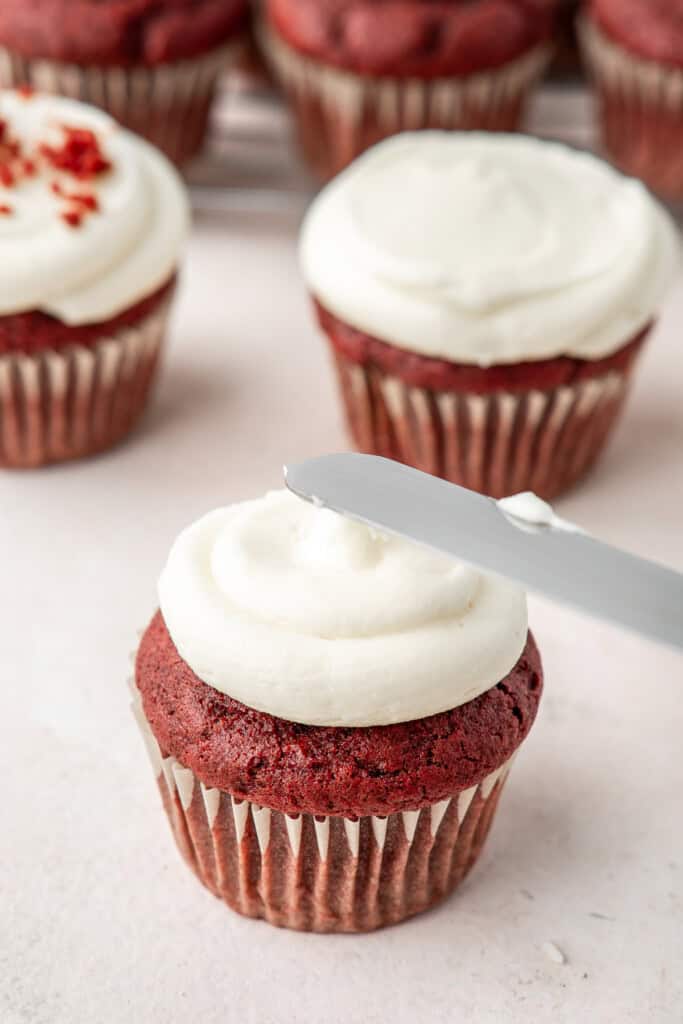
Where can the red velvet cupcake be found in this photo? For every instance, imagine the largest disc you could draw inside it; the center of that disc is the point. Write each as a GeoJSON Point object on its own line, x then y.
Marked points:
{"type": "Point", "coordinates": [331, 713]}
{"type": "Point", "coordinates": [152, 64]}
{"type": "Point", "coordinates": [567, 58]}
{"type": "Point", "coordinates": [635, 51]}
{"type": "Point", "coordinates": [357, 71]}
{"type": "Point", "coordinates": [485, 298]}
{"type": "Point", "coordinates": [92, 220]}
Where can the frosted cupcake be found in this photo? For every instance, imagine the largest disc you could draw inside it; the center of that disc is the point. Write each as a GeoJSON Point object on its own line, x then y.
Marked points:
{"type": "Point", "coordinates": [92, 221]}
{"type": "Point", "coordinates": [357, 71]}
{"type": "Point", "coordinates": [485, 298]}
{"type": "Point", "coordinates": [331, 713]}
{"type": "Point", "coordinates": [152, 64]}
{"type": "Point", "coordinates": [634, 49]}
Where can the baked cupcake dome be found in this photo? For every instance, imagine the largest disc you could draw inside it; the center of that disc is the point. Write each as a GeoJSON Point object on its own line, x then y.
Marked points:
{"type": "Point", "coordinates": [92, 221]}
{"type": "Point", "coordinates": [357, 71]}
{"type": "Point", "coordinates": [152, 65]}
{"type": "Point", "coordinates": [378, 806]}
{"type": "Point", "coordinates": [488, 335]}
{"type": "Point", "coordinates": [634, 49]}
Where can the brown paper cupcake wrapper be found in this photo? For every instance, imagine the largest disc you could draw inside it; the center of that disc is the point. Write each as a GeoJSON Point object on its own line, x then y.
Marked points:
{"type": "Point", "coordinates": [62, 405]}
{"type": "Point", "coordinates": [340, 114]}
{"type": "Point", "coordinates": [641, 107]}
{"type": "Point", "coordinates": [498, 444]}
{"type": "Point", "coordinates": [322, 874]}
{"type": "Point", "coordinates": [168, 104]}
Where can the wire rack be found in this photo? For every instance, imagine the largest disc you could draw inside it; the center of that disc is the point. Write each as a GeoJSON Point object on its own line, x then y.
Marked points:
{"type": "Point", "coordinates": [251, 161]}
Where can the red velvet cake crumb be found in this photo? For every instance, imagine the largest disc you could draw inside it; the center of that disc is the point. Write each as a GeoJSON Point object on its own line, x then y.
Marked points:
{"type": "Point", "coordinates": [421, 38]}
{"type": "Point", "coordinates": [10, 151]}
{"type": "Point", "coordinates": [74, 218]}
{"type": "Point", "coordinates": [80, 154]}
{"type": "Point", "coordinates": [338, 771]}
{"type": "Point", "coordinates": [5, 210]}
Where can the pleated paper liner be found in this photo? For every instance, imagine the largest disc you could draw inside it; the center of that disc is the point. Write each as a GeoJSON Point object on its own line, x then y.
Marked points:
{"type": "Point", "coordinates": [340, 114]}
{"type": "Point", "coordinates": [168, 104]}
{"type": "Point", "coordinates": [322, 874]}
{"type": "Point", "coordinates": [78, 401]}
{"type": "Point", "coordinates": [641, 111]}
{"type": "Point", "coordinates": [499, 444]}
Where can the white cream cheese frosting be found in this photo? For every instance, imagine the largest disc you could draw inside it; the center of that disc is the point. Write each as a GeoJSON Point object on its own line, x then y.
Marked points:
{"type": "Point", "coordinates": [116, 256]}
{"type": "Point", "coordinates": [308, 616]}
{"type": "Point", "coordinates": [489, 249]}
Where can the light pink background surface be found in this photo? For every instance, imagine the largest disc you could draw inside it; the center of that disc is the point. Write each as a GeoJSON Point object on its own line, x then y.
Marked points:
{"type": "Point", "coordinates": [100, 921]}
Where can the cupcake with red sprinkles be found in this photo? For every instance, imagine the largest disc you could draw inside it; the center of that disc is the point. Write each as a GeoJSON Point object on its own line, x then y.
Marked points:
{"type": "Point", "coordinates": [92, 222]}
{"type": "Point", "coordinates": [152, 64]}
{"type": "Point", "coordinates": [634, 49]}
{"type": "Point", "coordinates": [356, 71]}
{"type": "Point", "coordinates": [485, 298]}
{"type": "Point", "coordinates": [331, 713]}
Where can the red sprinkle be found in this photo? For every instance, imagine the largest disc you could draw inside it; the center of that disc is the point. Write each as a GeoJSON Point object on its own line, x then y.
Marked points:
{"type": "Point", "coordinates": [6, 176]}
{"type": "Point", "coordinates": [74, 218]}
{"type": "Point", "coordinates": [79, 155]}
{"type": "Point", "coordinates": [5, 210]}
{"type": "Point", "coordinates": [86, 200]}
{"type": "Point", "coordinates": [28, 167]}
{"type": "Point", "coordinates": [26, 91]}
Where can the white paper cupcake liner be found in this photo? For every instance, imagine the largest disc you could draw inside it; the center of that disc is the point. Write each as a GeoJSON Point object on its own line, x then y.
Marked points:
{"type": "Point", "coordinates": [169, 104]}
{"type": "Point", "coordinates": [641, 109]}
{"type": "Point", "coordinates": [340, 114]}
{"type": "Point", "coordinates": [498, 444]}
{"type": "Point", "coordinates": [322, 874]}
{"type": "Point", "coordinates": [654, 83]}
{"type": "Point", "coordinates": [62, 405]}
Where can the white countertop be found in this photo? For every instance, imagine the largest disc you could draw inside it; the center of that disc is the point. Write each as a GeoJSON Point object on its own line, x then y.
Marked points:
{"type": "Point", "coordinates": [99, 919]}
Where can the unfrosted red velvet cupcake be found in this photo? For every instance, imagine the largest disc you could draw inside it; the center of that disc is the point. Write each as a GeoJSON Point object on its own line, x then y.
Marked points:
{"type": "Point", "coordinates": [485, 298]}
{"type": "Point", "coordinates": [331, 713]}
{"type": "Point", "coordinates": [152, 64]}
{"type": "Point", "coordinates": [635, 51]}
{"type": "Point", "coordinates": [357, 71]}
{"type": "Point", "coordinates": [92, 220]}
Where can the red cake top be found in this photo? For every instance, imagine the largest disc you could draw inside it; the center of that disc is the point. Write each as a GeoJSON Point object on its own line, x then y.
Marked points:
{"type": "Point", "coordinates": [652, 29]}
{"type": "Point", "coordinates": [420, 38]}
{"type": "Point", "coordinates": [30, 333]}
{"type": "Point", "coordinates": [330, 771]}
{"type": "Point", "coordinates": [118, 32]}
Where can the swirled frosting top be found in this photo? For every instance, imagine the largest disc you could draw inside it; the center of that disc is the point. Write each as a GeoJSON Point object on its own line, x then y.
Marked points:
{"type": "Point", "coordinates": [489, 249]}
{"type": "Point", "coordinates": [308, 616]}
{"type": "Point", "coordinates": [92, 218]}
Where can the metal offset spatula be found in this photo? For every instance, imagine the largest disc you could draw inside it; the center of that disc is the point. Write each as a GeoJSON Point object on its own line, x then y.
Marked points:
{"type": "Point", "coordinates": [554, 558]}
